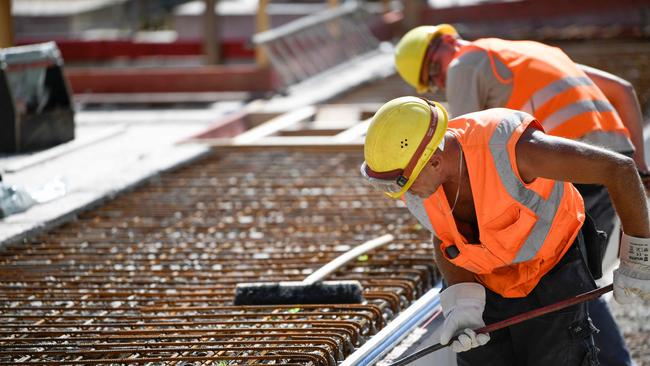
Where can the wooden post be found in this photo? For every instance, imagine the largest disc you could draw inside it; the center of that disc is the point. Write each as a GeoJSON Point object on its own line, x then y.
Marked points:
{"type": "Point", "coordinates": [334, 26]}
{"type": "Point", "coordinates": [211, 39]}
{"type": "Point", "coordinates": [6, 24]}
{"type": "Point", "coordinates": [262, 24]}
{"type": "Point", "coordinates": [385, 6]}
{"type": "Point", "coordinates": [412, 16]}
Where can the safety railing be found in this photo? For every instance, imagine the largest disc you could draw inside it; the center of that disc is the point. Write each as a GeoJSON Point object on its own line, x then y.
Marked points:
{"type": "Point", "coordinates": [313, 44]}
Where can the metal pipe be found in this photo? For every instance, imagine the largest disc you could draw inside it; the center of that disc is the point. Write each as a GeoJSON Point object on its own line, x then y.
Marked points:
{"type": "Point", "coordinates": [396, 330]}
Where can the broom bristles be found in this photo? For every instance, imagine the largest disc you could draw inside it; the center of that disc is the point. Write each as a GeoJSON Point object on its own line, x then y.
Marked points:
{"type": "Point", "coordinates": [289, 293]}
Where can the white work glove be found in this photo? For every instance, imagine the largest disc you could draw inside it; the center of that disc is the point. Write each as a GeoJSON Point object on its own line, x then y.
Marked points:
{"type": "Point", "coordinates": [632, 277]}
{"type": "Point", "coordinates": [463, 306]}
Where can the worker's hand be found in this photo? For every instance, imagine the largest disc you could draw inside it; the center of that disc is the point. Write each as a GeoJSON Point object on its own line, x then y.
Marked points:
{"type": "Point", "coordinates": [463, 304]}
{"type": "Point", "coordinates": [632, 277]}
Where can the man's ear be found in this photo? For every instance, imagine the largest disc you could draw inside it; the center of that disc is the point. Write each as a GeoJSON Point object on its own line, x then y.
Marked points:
{"type": "Point", "coordinates": [436, 162]}
{"type": "Point", "coordinates": [448, 38]}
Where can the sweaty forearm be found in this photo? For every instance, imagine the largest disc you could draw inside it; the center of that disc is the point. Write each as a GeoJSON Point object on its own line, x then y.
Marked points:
{"type": "Point", "coordinates": [629, 110]}
{"type": "Point", "coordinates": [628, 196]}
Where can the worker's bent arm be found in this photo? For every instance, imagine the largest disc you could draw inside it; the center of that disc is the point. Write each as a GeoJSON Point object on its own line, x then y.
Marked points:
{"type": "Point", "coordinates": [622, 96]}
{"type": "Point", "coordinates": [451, 272]}
{"type": "Point", "coordinates": [542, 155]}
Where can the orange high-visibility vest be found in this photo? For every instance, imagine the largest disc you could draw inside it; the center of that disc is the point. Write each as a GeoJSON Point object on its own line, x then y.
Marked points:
{"type": "Point", "coordinates": [549, 85]}
{"type": "Point", "coordinates": [524, 229]}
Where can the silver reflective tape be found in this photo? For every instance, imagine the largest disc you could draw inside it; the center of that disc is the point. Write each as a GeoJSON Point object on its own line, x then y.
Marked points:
{"type": "Point", "coordinates": [575, 109]}
{"type": "Point", "coordinates": [555, 88]}
{"type": "Point", "coordinates": [415, 204]}
{"type": "Point", "coordinates": [545, 214]}
{"type": "Point", "coordinates": [545, 210]}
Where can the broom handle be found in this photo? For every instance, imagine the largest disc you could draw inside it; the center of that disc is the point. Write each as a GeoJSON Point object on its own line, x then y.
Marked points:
{"type": "Point", "coordinates": [344, 258]}
{"type": "Point", "coordinates": [512, 321]}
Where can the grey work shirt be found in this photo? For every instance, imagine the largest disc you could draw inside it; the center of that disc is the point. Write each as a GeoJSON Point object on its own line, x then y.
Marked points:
{"type": "Point", "coordinates": [472, 85]}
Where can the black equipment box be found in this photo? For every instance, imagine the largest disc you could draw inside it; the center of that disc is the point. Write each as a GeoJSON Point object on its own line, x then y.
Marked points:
{"type": "Point", "coordinates": [36, 109]}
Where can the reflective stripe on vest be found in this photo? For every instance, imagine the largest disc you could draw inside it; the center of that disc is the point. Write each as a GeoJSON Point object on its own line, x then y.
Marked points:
{"type": "Point", "coordinates": [544, 209]}
{"type": "Point", "coordinates": [415, 204]}
{"type": "Point", "coordinates": [547, 93]}
{"type": "Point", "coordinates": [560, 116]}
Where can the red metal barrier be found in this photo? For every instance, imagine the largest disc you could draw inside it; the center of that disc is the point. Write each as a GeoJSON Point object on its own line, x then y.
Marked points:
{"type": "Point", "coordinates": [170, 79]}
{"type": "Point", "coordinates": [74, 50]}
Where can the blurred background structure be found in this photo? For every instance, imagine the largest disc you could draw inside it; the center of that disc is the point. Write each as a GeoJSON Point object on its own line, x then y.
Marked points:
{"type": "Point", "coordinates": [211, 142]}
{"type": "Point", "coordinates": [103, 41]}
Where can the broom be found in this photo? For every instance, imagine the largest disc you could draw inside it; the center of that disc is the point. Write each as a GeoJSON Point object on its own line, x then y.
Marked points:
{"type": "Point", "coordinates": [311, 290]}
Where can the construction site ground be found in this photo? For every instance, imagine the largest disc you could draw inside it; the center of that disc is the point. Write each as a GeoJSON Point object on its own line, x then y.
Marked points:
{"type": "Point", "coordinates": [133, 185]}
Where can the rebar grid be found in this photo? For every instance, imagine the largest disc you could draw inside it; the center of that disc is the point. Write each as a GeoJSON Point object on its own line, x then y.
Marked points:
{"type": "Point", "coordinates": [149, 277]}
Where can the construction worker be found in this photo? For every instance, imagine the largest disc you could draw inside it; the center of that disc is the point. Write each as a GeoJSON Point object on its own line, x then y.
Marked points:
{"type": "Point", "coordinates": [509, 227]}
{"type": "Point", "coordinates": [569, 100]}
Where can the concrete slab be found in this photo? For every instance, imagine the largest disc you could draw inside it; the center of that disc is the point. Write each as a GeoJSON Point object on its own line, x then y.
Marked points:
{"type": "Point", "coordinates": [132, 146]}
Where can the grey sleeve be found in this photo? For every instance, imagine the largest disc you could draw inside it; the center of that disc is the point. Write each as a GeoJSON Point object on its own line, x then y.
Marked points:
{"type": "Point", "coordinates": [472, 85]}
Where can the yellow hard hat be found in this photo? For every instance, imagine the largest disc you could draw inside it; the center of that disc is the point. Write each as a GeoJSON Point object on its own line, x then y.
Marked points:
{"type": "Point", "coordinates": [401, 138]}
{"type": "Point", "coordinates": [411, 50]}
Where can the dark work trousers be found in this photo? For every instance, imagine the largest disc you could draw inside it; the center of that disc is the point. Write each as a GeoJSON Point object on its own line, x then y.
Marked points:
{"type": "Point", "coordinates": [609, 340]}
{"type": "Point", "coordinates": [564, 337]}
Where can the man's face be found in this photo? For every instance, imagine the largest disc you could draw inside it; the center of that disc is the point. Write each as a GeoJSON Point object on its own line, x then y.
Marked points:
{"type": "Point", "coordinates": [428, 180]}
{"type": "Point", "coordinates": [434, 68]}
